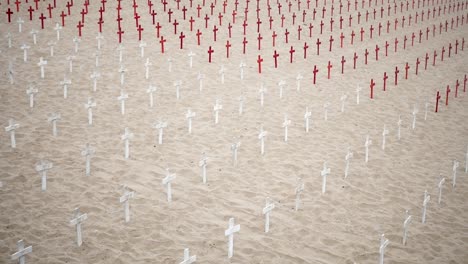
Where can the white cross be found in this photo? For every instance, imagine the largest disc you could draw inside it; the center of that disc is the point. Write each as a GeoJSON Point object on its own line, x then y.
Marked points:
{"type": "Point", "coordinates": [200, 78]}
{"type": "Point", "coordinates": [21, 253]}
{"type": "Point", "coordinates": [299, 77]}
{"type": "Point", "coordinates": [87, 153]}
{"type": "Point", "coordinates": [440, 186]}
{"type": "Point", "coordinates": [426, 200]}
{"type": "Point", "coordinates": [269, 206]}
{"type": "Point", "coordinates": [126, 138]}
{"type": "Point", "coordinates": [42, 167]}
{"type": "Point", "coordinates": [125, 200]}
{"type": "Point", "coordinates": [8, 35]}
{"type": "Point", "coordinates": [325, 109]}
{"type": "Point", "coordinates": [406, 223]}
{"type": "Point", "coordinates": [348, 156]}
{"type": "Point", "coordinates": [177, 85]}
{"type": "Point", "coordinates": [34, 32]}
{"type": "Point", "coordinates": [70, 63]}
{"type": "Point", "coordinates": [122, 98]}
{"type": "Point", "coordinates": [216, 108]}
{"type": "Point", "coordinates": [65, 83]}
{"type": "Point", "coordinates": [366, 145]}
{"type": "Point", "coordinates": [95, 76]}
{"type": "Point", "coordinates": [53, 118]}
{"type": "Point", "coordinates": [343, 101]}
{"type": "Point", "coordinates": [286, 124]}
{"type": "Point", "coordinates": [426, 106]}
{"type": "Point", "coordinates": [160, 125]}
{"type": "Point", "coordinates": [41, 64]}
{"type": "Point", "coordinates": [147, 66]}
{"type": "Point", "coordinates": [298, 191]}
{"type": "Point", "coordinates": [51, 45]}
{"type": "Point", "coordinates": [58, 28]}
{"type": "Point", "coordinates": [89, 106]}
{"type": "Point", "coordinates": [230, 234]}
{"type": "Point", "coordinates": [10, 72]}
{"type": "Point", "coordinates": [358, 90]}
{"type": "Point", "coordinates": [25, 48]}
{"type": "Point", "coordinates": [76, 221]}
{"type": "Point", "coordinates": [169, 61]}
{"type": "Point", "coordinates": [189, 116]}
{"type": "Point", "coordinates": [384, 134]}
{"type": "Point", "coordinates": [151, 89]}
{"type": "Point", "coordinates": [202, 163]}
{"type": "Point", "coordinates": [122, 71]}
{"type": "Point", "coordinates": [262, 92]}
{"type": "Point", "coordinates": [167, 182]}
{"type": "Point", "coordinates": [466, 160]}
{"type": "Point", "coordinates": [190, 55]}
{"type": "Point", "coordinates": [234, 149]}
{"type": "Point", "coordinates": [142, 46]}
{"type": "Point", "coordinates": [77, 41]}
{"type": "Point", "coordinates": [96, 58]}
{"type": "Point", "coordinates": [120, 49]}
{"type": "Point", "coordinates": [12, 126]}
{"type": "Point", "coordinates": [221, 72]}
{"type": "Point", "coordinates": [262, 136]}
{"type": "Point", "coordinates": [454, 171]}
{"type": "Point", "coordinates": [241, 66]}
{"type": "Point", "coordinates": [241, 104]}
{"type": "Point", "coordinates": [281, 85]}
{"type": "Point", "coordinates": [187, 258]}
{"type": "Point", "coordinates": [307, 116]}
{"type": "Point", "coordinates": [99, 37]}
{"type": "Point", "coordinates": [383, 244]}
{"type": "Point", "coordinates": [324, 173]}
{"type": "Point", "coordinates": [31, 91]}
{"type": "Point", "coordinates": [415, 111]}
{"type": "Point", "coordinates": [399, 127]}
{"type": "Point", "coordinates": [20, 22]}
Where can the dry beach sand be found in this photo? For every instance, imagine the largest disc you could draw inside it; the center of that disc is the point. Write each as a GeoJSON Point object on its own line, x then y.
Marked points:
{"type": "Point", "coordinates": [341, 226]}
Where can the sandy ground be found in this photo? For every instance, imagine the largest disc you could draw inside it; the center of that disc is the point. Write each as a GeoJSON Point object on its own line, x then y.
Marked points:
{"type": "Point", "coordinates": [341, 226]}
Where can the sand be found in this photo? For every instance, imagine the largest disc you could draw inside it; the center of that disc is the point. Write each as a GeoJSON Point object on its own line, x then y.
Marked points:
{"type": "Point", "coordinates": [343, 225]}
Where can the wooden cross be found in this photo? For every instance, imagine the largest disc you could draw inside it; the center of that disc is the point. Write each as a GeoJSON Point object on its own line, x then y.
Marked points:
{"type": "Point", "coordinates": [12, 126]}
{"type": "Point", "coordinates": [124, 199]}
{"type": "Point", "coordinates": [167, 182]}
{"type": "Point", "coordinates": [230, 234]}
{"type": "Point", "coordinates": [76, 221]}
{"type": "Point", "coordinates": [21, 253]}
{"type": "Point", "coordinates": [42, 167]}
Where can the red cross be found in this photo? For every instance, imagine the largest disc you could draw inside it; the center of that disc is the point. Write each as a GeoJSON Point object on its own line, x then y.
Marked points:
{"type": "Point", "coordinates": [228, 45]}
{"type": "Point", "coordinates": [162, 41]}
{"type": "Point", "coordinates": [435, 56]}
{"type": "Point", "coordinates": [291, 52]}
{"type": "Point", "coordinates": [245, 25]}
{"type": "Point", "coordinates": [447, 92]}
{"type": "Point", "coordinates": [220, 19]}
{"type": "Point", "coordinates": [158, 27]}
{"type": "Point", "coordinates": [31, 10]}
{"type": "Point", "coordinates": [396, 75]}
{"type": "Point", "coordinates": [457, 85]}
{"type": "Point", "coordinates": [259, 38]}
{"type": "Point", "coordinates": [100, 22]}
{"type": "Point", "coordinates": [198, 36]}
{"type": "Point", "coordinates": [273, 36]}
{"type": "Point", "coordinates": [275, 57]}
{"type": "Point", "coordinates": [191, 20]}
{"type": "Point", "coordinates": [437, 101]}
{"type": "Point", "coordinates": [184, 9]}
{"type": "Point", "coordinates": [385, 77]}
{"type": "Point", "coordinates": [139, 29]}
{"type": "Point", "coordinates": [417, 65]}
{"type": "Point", "coordinates": [318, 46]}
{"type": "Point", "coordinates": [79, 26]}
{"type": "Point", "coordinates": [9, 13]}
{"type": "Point", "coordinates": [169, 13]}
{"type": "Point", "coordinates": [63, 15]}
{"type": "Point", "coordinates": [42, 17]}
{"type": "Point", "coordinates": [329, 66]}
{"type": "Point", "coordinates": [215, 30]}
{"type": "Point", "coordinates": [315, 71]}
{"type": "Point", "coordinates": [305, 49]}
{"type": "Point", "coordinates": [352, 36]}
{"type": "Point", "coordinates": [407, 67]}
{"type": "Point", "coordinates": [366, 53]}
{"type": "Point", "coordinates": [181, 37]}
{"type": "Point", "coordinates": [244, 42]}
{"type": "Point", "coordinates": [331, 43]}
{"type": "Point", "coordinates": [372, 84]}
{"type": "Point", "coordinates": [120, 32]}
{"type": "Point", "coordinates": [210, 51]}
{"type": "Point", "coordinates": [259, 61]}
{"type": "Point", "coordinates": [355, 57]}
